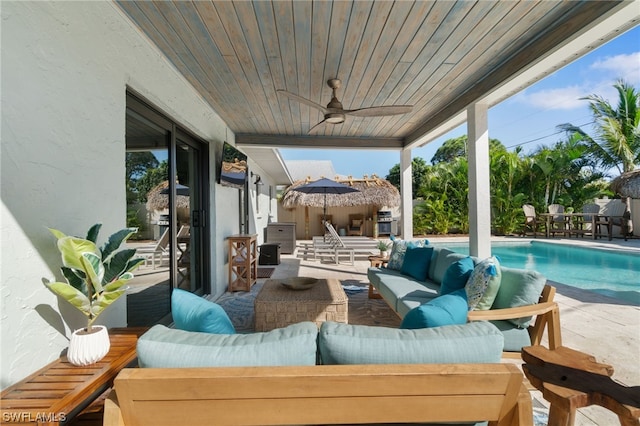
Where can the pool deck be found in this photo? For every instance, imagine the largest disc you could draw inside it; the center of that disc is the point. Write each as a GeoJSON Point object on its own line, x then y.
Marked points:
{"type": "Point", "coordinates": [606, 328]}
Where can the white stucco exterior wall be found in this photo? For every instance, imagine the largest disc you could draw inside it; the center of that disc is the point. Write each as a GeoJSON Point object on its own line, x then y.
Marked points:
{"type": "Point", "coordinates": [65, 70]}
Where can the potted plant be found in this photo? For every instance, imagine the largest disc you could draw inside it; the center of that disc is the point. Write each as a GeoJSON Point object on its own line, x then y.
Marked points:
{"type": "Point", "coordinates": [95, 279]}
{"type": "Point", "coordinates": [383, 246]}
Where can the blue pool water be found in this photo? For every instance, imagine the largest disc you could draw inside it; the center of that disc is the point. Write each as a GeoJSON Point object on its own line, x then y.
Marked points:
{"type": "Point", "coordinates": [612, 273]}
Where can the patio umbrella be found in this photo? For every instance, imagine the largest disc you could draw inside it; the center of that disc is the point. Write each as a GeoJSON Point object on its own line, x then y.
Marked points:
{"type": "Point", "coordinates": [180, 190]}
{"type": "Point", "coordinates": [324, 186]}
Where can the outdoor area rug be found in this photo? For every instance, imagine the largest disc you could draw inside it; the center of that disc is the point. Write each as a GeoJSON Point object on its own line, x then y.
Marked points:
{"type": "Point", "coordinates": [265, 272]}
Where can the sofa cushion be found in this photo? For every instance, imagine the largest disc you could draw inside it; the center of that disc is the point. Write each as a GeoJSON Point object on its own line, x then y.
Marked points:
{"type": "Point", "coordinates": [163, 347]}
{"type": "Point", "coordinates": [475, 342]}
{"type": "Point", "coordinates": [457, 275]}
{"type": "Point", "coordinates": [448, 309]}
{"type": "Point", "coordinates": [514, 338]}
{"type": "Point", "coordinates": [445, 258]}
{"type": "Point", "coordinates": [416, 262]}
{"type": "Point", "coordinates": [483, 284]}
{"type": "Point", "coordinates": [395, 287]}
{"type": "Point", "coordinates": [519, 287]}
{"type": "Point", "coordinates": [194, 313]}
{"type": "Point", "coordinates": [398, 250]}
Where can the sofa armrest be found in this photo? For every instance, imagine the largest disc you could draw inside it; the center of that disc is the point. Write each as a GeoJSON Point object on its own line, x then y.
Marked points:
{"type": "Point", "coordinates": [547, 317]}
{"type": "Point", "coordinates": [511, 313]}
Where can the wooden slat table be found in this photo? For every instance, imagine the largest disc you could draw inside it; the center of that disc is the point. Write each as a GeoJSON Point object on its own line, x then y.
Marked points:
{"type": "Point", "coordinates": [59, 391]}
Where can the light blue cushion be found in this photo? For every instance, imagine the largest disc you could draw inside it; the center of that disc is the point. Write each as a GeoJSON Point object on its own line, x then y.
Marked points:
{"type": "Point", "coordinates": [483, 284]}
{"type": "Point", "coordinates": [457, 275]}
{"type": "Point", "coordinates": [193, 313]}
{"type": "Point", "coordinates": [514, 338]}
{"type": "Point", "coordinates": [416, 262]}
{"type": "Point", "coordinates": [448, 309]}
{"type": "Point", "coordinates": [519, 287]}
{"type": "Point", "coordinates": [163, 347]}
{"type": "Point", "coordinates": [475, 342]}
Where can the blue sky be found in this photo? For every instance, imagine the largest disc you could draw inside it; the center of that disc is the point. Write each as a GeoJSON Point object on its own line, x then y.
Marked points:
{"type": "Point", "coordinates": [528, 119]}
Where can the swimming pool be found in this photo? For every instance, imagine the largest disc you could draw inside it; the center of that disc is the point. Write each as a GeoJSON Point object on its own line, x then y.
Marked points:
{"type": "Point", "coordinates": [612, 273]}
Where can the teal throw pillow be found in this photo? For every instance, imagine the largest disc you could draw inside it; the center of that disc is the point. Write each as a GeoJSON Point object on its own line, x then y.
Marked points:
{"type": "Point", "coordinates": [449, 309]}
{"type": "Point", "coordinates": [193, 313]}
{"type": "Point", "coordinates": [416, 262]}
{"type": "Point", "coordinates": [398, 250]}
{"type": "Point", "coordinates": [457, 275]}
{"type": "Point", "coordinates": [483, 284]}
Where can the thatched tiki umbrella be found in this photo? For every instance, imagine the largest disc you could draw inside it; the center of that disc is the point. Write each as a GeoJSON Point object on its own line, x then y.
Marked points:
{"type": "Point", "coordinates": [158, 199]}
{"type": "Point", "coordinates": [373, 191]}
{"type": "Point", "coordinates": [627, 184]}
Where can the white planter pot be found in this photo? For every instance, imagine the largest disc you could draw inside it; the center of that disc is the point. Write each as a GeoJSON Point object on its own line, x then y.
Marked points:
{"type": "Point", "coordinates": [88, 348]}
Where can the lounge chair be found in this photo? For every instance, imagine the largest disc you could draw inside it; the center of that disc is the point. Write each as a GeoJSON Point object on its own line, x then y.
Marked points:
{"type": "Point", "coordinates": [335, 246]}
{"type": "Point", "coordinates": [158, 250]}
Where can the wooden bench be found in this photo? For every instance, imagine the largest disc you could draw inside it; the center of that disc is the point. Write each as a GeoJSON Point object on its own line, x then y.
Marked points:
{"type": "Point", "coordinates": [321, 394]}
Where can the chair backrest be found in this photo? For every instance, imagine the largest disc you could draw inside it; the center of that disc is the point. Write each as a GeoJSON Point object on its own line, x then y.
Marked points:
{"type": "Point", "coordinates": [334, 235]}
{"type": "Point", "coordinates": [163, 242]}
{"type": "Point", "coordinates": [614, 208]}
{"type": "Point", "coordinates": [557, 211]}
{"type": "Point", "coordinates": [590, 208]}
{"type": "Point", "coordinates": [529, 211]}
{"type": "Point", "coordinates": [184, 231]}
{"type": "Point", "coordinates": [305, 395]}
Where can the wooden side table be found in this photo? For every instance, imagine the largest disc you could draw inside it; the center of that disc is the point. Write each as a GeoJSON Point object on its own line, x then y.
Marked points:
{"type": "Point", "coordinates": [243, 261]}
{"type": "Point", "coordinates": [569, 380]}
{"type": "Point", "coordinates": [56, 393]}
{"type": "Point", "coordinates": [376, 262]}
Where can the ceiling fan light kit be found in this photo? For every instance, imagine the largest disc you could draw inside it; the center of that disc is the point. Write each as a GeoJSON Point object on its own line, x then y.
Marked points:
{"type": "Point", "coordinates": [335, 114]}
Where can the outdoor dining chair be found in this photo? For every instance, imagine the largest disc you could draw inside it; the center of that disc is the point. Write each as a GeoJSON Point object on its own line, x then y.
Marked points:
{"type": "Point", "coordinates": [558, 223]}
{"type": "Point", "coordinates": [531, 221]}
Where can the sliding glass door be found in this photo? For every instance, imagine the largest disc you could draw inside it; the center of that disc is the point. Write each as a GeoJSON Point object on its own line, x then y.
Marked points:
{"type": "Point", "coordinates": [166, 198]}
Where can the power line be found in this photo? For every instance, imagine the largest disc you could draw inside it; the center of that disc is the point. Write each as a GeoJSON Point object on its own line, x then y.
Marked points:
{"type": "Point", "coordinates": [547, 136]}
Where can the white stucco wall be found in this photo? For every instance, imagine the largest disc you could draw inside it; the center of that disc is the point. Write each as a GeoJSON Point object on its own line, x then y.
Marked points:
{"type": "Point", "coordinates": [65, 70]}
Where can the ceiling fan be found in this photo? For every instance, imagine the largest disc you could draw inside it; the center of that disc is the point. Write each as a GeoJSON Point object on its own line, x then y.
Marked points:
{"type": "Point", "coordinates": [335, 114]}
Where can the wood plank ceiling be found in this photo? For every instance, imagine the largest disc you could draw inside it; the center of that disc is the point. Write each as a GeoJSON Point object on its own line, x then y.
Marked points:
{"type": "Point", "coordinates": [436, 56]}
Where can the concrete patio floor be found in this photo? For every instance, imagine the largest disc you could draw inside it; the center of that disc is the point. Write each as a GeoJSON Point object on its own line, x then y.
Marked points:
{"type": "Point", "coordinates": [606, 328]}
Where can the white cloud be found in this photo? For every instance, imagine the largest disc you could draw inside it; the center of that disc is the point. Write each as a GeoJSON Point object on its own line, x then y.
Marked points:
{"type": "Point", "coordinates": [564, 98]}
{"type": "Point", "coordinates": [625, 66]}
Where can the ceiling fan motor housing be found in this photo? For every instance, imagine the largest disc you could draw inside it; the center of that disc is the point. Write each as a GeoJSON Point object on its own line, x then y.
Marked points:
{"type": "Point", "coordinates": [334, 118]}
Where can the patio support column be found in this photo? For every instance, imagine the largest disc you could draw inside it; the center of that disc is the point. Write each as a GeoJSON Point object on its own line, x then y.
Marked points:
{"type": "Point", "coordinates": [406, 192]}
{"type": "Point", "coordinates": [479, 190]}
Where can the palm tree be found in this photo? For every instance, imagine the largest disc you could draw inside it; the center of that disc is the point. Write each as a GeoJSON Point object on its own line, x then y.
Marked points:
{"type": "Point", "coordinates": [616, 142]}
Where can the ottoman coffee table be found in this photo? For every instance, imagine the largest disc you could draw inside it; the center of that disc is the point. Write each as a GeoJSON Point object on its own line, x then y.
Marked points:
{"type": "Point", "coordinates": [277, 306]}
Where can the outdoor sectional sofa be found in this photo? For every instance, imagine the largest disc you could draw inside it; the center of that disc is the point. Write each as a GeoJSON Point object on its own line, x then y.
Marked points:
{"type": "Point", "coordinates": [340, 374]}
{"type": "Point", "coordinates": [522, 294]}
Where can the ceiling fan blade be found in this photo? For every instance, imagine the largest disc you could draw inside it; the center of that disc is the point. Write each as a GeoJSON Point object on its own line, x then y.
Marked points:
{"type": "Point", "coordinates": [317, 126]}
{"type": "Point", "coordinates": [302, 100]}
{"type": "Point", "coordinates": [380, 111]}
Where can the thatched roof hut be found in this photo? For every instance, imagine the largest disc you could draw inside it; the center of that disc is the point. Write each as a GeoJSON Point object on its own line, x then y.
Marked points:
{"type": "Point", "coordinates": [156, 200]}
{"type": "Point", "coordinates": [372, 191]}
{"type": "Point", "coordinates": [627, 184]}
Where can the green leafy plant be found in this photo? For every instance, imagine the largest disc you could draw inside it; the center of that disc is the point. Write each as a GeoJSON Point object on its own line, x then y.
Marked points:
{"type": "Point", "coordinates": [95, 276]}
{"type": "Point", "coordinates": [383, 245]}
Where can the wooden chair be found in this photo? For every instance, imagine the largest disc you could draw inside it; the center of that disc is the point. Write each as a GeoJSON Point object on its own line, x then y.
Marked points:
{"type": "Point", "coordinates": [558, 223]}
{"type": "Point", "coordinates": [547, 315]}
{"type": "Point", "coordinates": [613, 214]}
{"type": "Point", "coordinates": [320, 394]}
{"type": "Point", "coordinates": [355, 225]}
{"type": "Point", "coordinates": [531, 221]}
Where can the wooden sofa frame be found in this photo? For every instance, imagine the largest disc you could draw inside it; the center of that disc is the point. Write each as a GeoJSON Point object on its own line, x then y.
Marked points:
{"type": "Point", "coordinates": [547, 315]}
{"type": "Point", "coordinates": [321, 394]}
